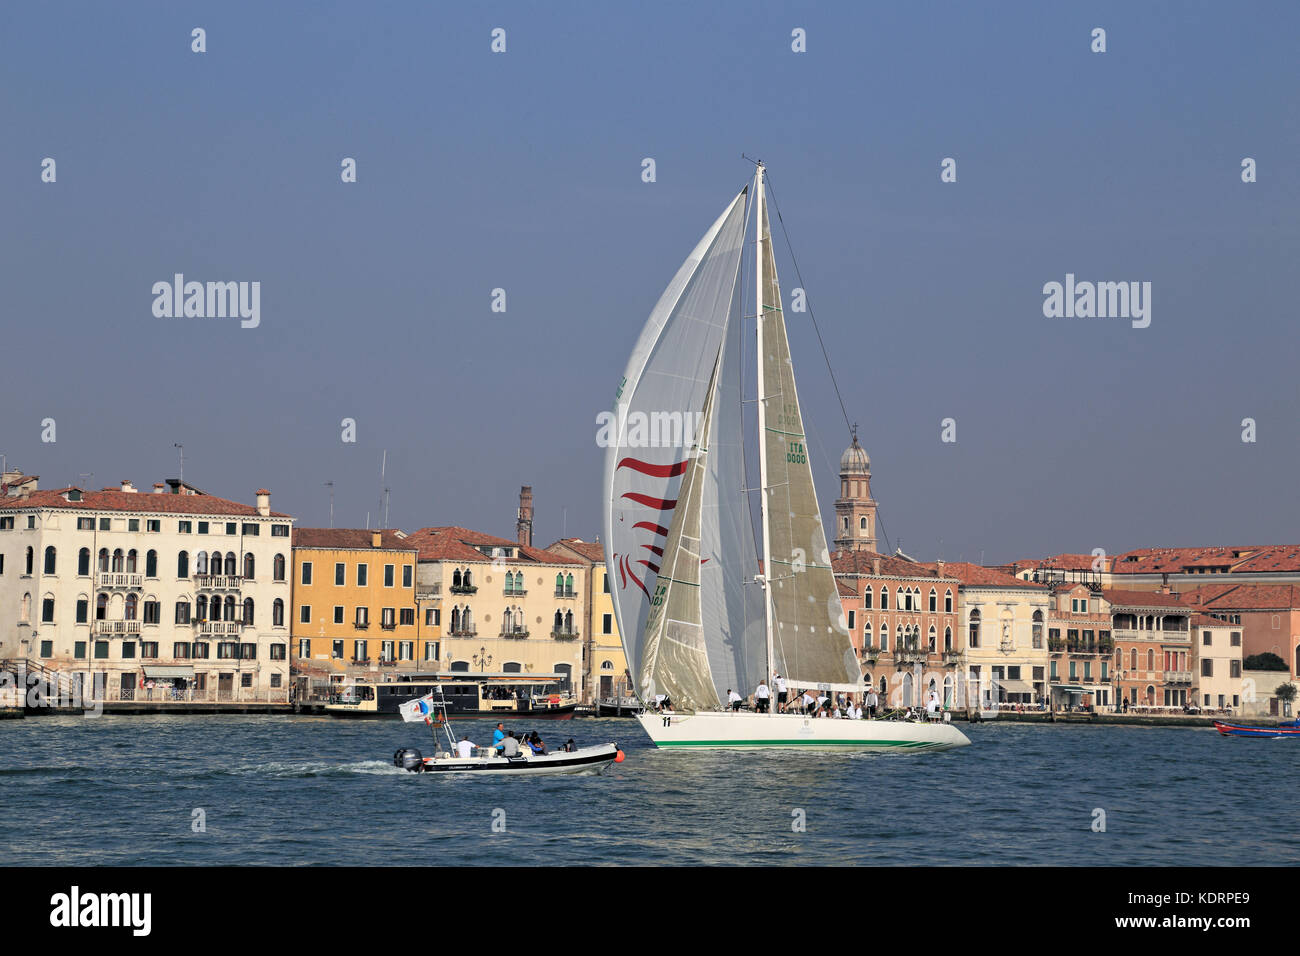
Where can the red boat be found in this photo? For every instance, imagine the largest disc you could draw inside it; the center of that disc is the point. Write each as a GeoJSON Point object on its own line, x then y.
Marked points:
{"type": "Point", "coordinates": [1291, 729]}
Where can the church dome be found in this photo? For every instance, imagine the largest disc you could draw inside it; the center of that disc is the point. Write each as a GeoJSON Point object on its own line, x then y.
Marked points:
{"type": "Point", "coordinates": [855, 459]}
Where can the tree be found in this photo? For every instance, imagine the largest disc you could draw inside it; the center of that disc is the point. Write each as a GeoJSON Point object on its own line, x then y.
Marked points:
{"type": "Point", "coordinates": [1264, 662]}
{"type": "Point", "coordinates": [1285, 692]}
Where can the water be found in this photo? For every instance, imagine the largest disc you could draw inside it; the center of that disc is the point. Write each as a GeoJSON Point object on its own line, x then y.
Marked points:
{"type": "Point", "coordinates": [312, 790]}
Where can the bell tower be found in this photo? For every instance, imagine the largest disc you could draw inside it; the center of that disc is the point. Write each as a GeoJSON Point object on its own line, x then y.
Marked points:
{"type": "Point", "coordinates": [855, 509]}
{"type": "Point", "coordinates": [524, 525]}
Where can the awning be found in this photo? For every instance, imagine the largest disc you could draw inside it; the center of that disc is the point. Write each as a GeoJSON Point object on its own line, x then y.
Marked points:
{"type": "Point", "coordinates": [158, 670]}
{"type": "Point", "coordinates": [1015, 686]}
{"type": "Point", "coordinates": [1072, 689]}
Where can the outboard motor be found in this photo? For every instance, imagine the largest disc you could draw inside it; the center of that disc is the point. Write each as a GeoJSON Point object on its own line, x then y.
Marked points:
{"type": "Point", "coordinates": [408, 758]}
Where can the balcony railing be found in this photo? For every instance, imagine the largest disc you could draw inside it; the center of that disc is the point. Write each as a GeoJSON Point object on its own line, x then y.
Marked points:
{"type": "Point", "coordinates": [515, 592]}
{"type": "Point", "coordinates": [361, 625]}
{"type": "Point", "coordinates": [218, 582]}
{"type": "Point", "coordinates": [563, 635]}
{"type": "Point", "coordinates": [431, 591]}
{"type": "Point", "coordinates": [909, 655]}
{"type": "Point", "coordinates": [565, 593]}
{"type": "Point", "coordinates": [388, 625]}
{"type": "Point", "coordinates": [520, 633]}
{"type": "Point", "coordinates": [952, 657]}
{"type": "Point", "coordinates": [219, 627]}
{"type": "Point", "coordinates": [463, 631]}
{"type": "Point", "coordinates": [119, 579]}
{"type": "Point", "coordinates": [1178, 677]}
{"type": "Point", "coordinates": [464, 589]}
{"type": "Point", "coordinates": [1128, 634]}
{"type": "Point", "coordinates": [116, 628]}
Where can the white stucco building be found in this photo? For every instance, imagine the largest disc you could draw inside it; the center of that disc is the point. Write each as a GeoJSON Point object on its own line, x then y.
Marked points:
{"type": "Point", "coordinates": [174, 586]}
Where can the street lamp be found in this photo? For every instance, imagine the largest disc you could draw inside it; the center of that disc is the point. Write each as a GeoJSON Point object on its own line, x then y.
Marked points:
{"type": "Point", "coordinates": [482, 659]}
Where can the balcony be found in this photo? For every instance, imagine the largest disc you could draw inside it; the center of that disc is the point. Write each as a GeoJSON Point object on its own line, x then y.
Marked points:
{"type": "Point", "coordinates": [515, 592]}
{"type": "Point", "coordinates": [909, 655]}
{"type": "Point", "coordinates": [870, 653]}
{"type": "Point", "coordinates": [218, 582]}
{"type": "Point", "coordinates": [565, 593]}
{"type": "Point", "coordinates": [563, 635]}
{"type": "Point", "coordinates": [117, 580]}
{"type": "Point", "coordinates": [218, 628]}
{"type": "Point", "coordinates": [116, 628]}
{"type": "Point", "coordinates": [388, 625]}
{"type": "Point", "coordinates": [463, 631]}
{"type": "Point", "coordinates": [520, 634]}
{"type": "Point", "coordinates": [361, 625]}
{"type": "Point", "coordinates": [1178, 677]}
{"type": "Point", "coordinates": [464, 589]}
{"type": "Point", "coordinates": [951, 657]}
{"type": "Point", "coordinates": [428, 593]}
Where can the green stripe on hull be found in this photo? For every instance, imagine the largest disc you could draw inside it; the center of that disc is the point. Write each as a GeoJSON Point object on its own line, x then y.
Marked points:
{"type": "Point", "coordinates": [797, 743]}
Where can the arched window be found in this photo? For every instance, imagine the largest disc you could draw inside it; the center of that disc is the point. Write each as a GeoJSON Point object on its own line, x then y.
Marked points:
{"type": "Point", "coordinates": [884, 687]}
{"type": "Point", "coordinates": [231, 568]}
{"type": "Point", "coordinates": [118, 560]}
{"type": "Point", "coordinates": [974, 628]}
{"type": "Point", "coordinates": [559, 620]}
{"type": "Point", "coordinates": [559, 582]}
{"type": "Point", "coordinates": [103, 559]}
{"type": "Point", "coordinates": [510, 667]}
{"type": "Point", "coordinates": [568, 622]}
{"type": "Point", "coordinates": [1133, 660]}
{"type": "Point", "coordinates": [131, 558]}
{"type": "Point", "coordinates": [132, 604]}
{"type": "Point", "coordinates": [277, 613]}
{"type": "Point", "coordinates": [900, 606]}
{"type": "Point", "coordinates": [934, 600]}
{"type": "Point", "coordinates": [31, 559]}
{"type": "Point", "coordinates": [884, 637]}
{"type": "Point", "coordinates": [455, 578]}
{"type": "Point", "coordinates": [248, 611]}
{"type": "Point", "coordinates": [568, 583]}
{"type": "Point", "coordinates": [947, 602]}
{"type": "Point", "coordinates": [947, 638]}
{"type": "Point", "coordinates": [201, 562]}
{"type": "Point", "coordinates": [466, 618]}
{"type": "Point", "coordinates": [201, 607]}
{"type": "Point", "coordinates": [933, 636]}
{"type": "Point", "coordinates": [862, 524]}
{"type": "Point", "coordinates": [884, 599]}
{"type": "Point", "coordinates": [25, 610]}
{"type": "Point", "coordinates": [866, 635]}
{"type": "Point", "coordinates": [459, 667]}
{"type": "Point", "coordinates": [277, 568]}
{"type": "Point", "coordinates": [151, 564]}
{"type": "Point", "coordinates": [1151, 660]}
{"type": "Point", "coordinates": [83, 561]}
{"type": "Point", "coordinates": [248, 566]}
{"type": "Point", "coordinates": [466, 580]}
{"type": "Point", "coordinates": [50, 561]}
{"type": "Point", "coordinates": [101, 607]}
{"type": "Point", "coordinates": [455, 620]}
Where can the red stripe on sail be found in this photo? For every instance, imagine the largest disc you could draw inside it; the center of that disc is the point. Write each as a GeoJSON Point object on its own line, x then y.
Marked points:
{"type": "Point", "coordinates": [663, 504]}
{"type": "Point", "coordinates": [652, 567]}
{"type": "Point", "coordinates": [651, 547]}
{"type": "Point", "coordinates": [654, 471]}
{"type": "Point", "coordinates": [651, 526]}
{"type": "Point", "coordinates": [637, 580]}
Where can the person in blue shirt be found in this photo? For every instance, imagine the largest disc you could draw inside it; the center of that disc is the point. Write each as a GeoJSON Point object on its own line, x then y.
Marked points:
{"type": "Point", "coordinates": [498, 735]}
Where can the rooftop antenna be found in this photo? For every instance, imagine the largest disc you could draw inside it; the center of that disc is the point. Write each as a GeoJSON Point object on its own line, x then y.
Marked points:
{"type": "Point", "coordinates": [330, 485]}
{"type": "Point", "coordinates": [87, 475]}
{"type": "Point", "coordinates": [182, 448]}
{"type": "Point", "coordinates": [564, 522]}
{"type": "Point", "coordinates": [383, 468]}
{"type": "Point", "coordinates": [386, 492]}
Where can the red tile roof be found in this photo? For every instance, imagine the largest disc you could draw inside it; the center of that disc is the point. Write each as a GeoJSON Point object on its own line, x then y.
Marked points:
{"type": "Point", "coordinates": [461, 544]}
{"type": "Point", "coordinates": [351, 539]}
{"type": "Point", "coordinates": [862, 563]}
{"type": "Point", "coordinates": [593, 551]}
{"type": "Point", "coordinates": [1063, 562]}
{"type": "Point", "coordinates": [1245, 597]}
{"type": "Point", "coordinates": [1255, 559]}
{"type": "Point", "coordinates": [139, 502]}
{"type": "Point", "coordinates": [1143, 599]}
{"type": "Point", "coordinates": [976, 575]}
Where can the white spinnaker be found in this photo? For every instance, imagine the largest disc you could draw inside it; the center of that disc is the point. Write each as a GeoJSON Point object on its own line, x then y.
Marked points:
{"type": "Point", "coordinates": [657, 409]}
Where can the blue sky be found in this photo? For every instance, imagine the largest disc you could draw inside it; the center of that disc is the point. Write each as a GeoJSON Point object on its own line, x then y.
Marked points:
{"type": "Point", "coordinates": [522, 171]}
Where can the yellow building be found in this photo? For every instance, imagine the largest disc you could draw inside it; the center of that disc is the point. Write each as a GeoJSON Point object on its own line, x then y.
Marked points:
{"type": "Point", "coordinates": [502, 606]}
{"type": "Point", "coordinates": [605, 665]}
{"type": "Point", "coordinates": [354, 603]}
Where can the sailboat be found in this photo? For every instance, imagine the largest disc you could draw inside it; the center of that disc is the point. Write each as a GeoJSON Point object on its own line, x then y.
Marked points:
{"type": "Point", "coordinates": [699, 616]}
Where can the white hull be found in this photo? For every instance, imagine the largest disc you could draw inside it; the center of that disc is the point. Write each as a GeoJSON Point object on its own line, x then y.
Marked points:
{"type": "Point", "coordinates": [585, 760]}
{"type": "Point", "coordinates": [726, 730]}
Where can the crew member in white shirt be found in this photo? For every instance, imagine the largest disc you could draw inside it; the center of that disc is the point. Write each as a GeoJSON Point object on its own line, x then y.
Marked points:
{"type": "Point", "coordinates": [733, 700]}
{"type": "Point", "coordinates": [762, 696]}
{"type": "Point", "coordinates": [465, 749]}
{"type": "Point", "coordinates": [780, 693]}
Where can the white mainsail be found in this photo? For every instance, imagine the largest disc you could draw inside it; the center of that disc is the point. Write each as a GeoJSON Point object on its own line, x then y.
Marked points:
{"type": "Point", "coordinates": [657, 413]}
{"type": "Point", "coordinates": [810, 638]}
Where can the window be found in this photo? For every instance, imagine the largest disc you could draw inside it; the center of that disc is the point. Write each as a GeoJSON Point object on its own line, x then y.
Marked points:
{"type": "Point", "coordinates": [867, 594]}
{"type": "Point", "coordinates": [884, 598]}
{"type": "Point", "coordinates": [200, 650]}
{"type": "Point", "coordinates": [363, 575]}
{"type": "Point", "coordinates": [338, 613]}
{"type": "Point", "coordinates": [884, 637]}
{"type": "Point", "coordinates": [83, 610]}
{"type": "Point", "coordinates": [248, 611]}
{"type": "Point", "coordinates": [230, 527]}
{"type": "Point", "coordinates": [151, 564]}
{"type": "Point", "coordinates": [104, 523]}
{"type": "Point", "coordinates": [360, 650]}
{"type": "Point", "coordinates": [387, 619]}
{"type": "Point", "coordinates": [363, 617]}
{"type": "Point", "coordinates": [934, 601]}
{"type": "Point", "coordinates": [304, 647]}
{"type": "Point", "coordinates": [181, 526]}
{"type": "Point", "coordinates": [249, 567]}
{"type": "Point", "coordinates": [430, 650]}
{"type": "Point", "coordinates": [277, 613]}
{"type": "Point", "coordinates": [947, 603]}
{"type": "Point", "coordinates": [388, 575]}
{"type": "Point", "coordinates": [251, 529]}
{"type": "Point", "coordinates": [181, 651]}
{"type": "Point", "coordinates": [1205, 638]}
{"type": "Point", "coordinates": [149, 649]}
{"type": "Point", "coordinates": [407, 573]}
{"type": "Point", "coordinates": [101, 650]}
{"type": "Point", "coordinates": [203, 527]}
{"type": "Point", "coordinates": [406, 651]}
{"type": "Point", "coordinates": [974, 628]}
{"type": "Point", "coordinates": [852, 625]}
{"type": "Point", "coordinates": [85, 524]}
{"type": "Point", "coordinates": [248, 652]}
{"type": "Point", "coordinates": [304, 614]}
{"type": "Point", "coordinates": [432, 617]}
{"type": "Point", "coordinates": [607, 624]}
{"type": "Point", "coordinates": [245, 680]}
{"type": "Point", "coordinates": [407, 616]}
{"type": "Point", "coordinates": [605, 583]}
{"type": "Point", "coordinates": [31, 560]}
{"type": "Point", "coordinates": [277, 568]}
{"type": "Point", "coordinates": [1235, 639]}
{"type": "Point", "coordinates": [1207, 668]}
{"type": "Point", "coordinates": [182, 612]}
{"type": "Point", "coordinates": [183, 565]}
{"type": "Point", "coordinates": [306, 572]}
{"type": "Point", "coordinates": [1234, 668]}
{"type": "Point", "coordinates": [153, 524]}
{"type": "Point", "coordinates": [275, 679]}
{"type": "Point", "coordinates": [152, 612]}
{"type": "Point", "coordinates": [279, 531]}
{"type": "Point", "coordinates": [47, 610]}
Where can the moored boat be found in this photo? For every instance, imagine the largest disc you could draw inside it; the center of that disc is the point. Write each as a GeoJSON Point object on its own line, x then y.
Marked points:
{"type": "Point", "coordinates": [1291, 729]}
{"type": "Point", "coordinates": [500, 696]}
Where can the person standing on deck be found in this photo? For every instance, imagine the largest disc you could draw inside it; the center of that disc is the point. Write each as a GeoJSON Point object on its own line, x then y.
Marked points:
{"type": "Point", "coordinates": [762, 696]}
{"type": "Point", "coordinates": [497, 734]}
{"type": "Point", "coordinates": [733, 700]}
{"type": "Point", "coordinates": [780, 693]}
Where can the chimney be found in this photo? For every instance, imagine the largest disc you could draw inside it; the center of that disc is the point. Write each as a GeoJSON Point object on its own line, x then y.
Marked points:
{"type": "Point", "coordinates": [875, 565]}
{"type": "Point", "coordinates": [376, 539]}
{"type": "Point", "coordinates": [158, 487]}
{"type": "Point", "coordinates": [939, 566]}
{"type": "Point", "coordinates": [524, 526]}
{"type": "Point", "coordinates": [263, 502]}
{"type": "Point", "coordinates": [127, 486]}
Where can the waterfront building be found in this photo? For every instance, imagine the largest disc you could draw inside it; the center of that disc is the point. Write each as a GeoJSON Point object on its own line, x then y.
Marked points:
{"type": "Point", "coordinates": [1153, 647]}
{"type": "Point", "coordinates": [1004, 620]}
{"type": "Point", "coordinates": [503, 606]}
{"type": "Point", "coordinates": [354, 607]}
{"type": "Point", "coordinates": [1071, 568]}
{"type": "Point", "coordinates": [1268, 616]}
{"type": "Point", "coordinates": [903, 620]}
{"type": "Point", "coordinates": [1181, 569]}
{"type": "Point", "coordinates": [1079, 647]}
{"type": "Point", "coordinates": [1216, 664]}
{"type": "Point", "coordinates": [174, 587]}
{"type": "Point", "coordinates": [605, 674]}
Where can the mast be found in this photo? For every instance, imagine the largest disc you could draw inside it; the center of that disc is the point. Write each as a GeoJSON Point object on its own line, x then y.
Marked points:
{"type": "Point", "coordinates": [762, 430]}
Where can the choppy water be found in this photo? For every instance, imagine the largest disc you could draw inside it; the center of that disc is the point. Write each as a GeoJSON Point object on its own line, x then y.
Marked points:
{"type": "Point", "coordinates": [312, 790]}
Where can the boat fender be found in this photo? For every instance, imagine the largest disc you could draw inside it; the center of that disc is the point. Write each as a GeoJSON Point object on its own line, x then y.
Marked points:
{"type": "Point", "coordinates": [619, 756]}
{"type": "Point", "coordinates": [408, 758]}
